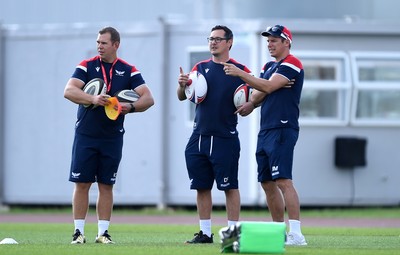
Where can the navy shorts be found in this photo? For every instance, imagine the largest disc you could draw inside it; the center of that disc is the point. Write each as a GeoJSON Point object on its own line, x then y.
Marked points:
{"type": "Point", "coordinates": [210, 158]}
{"type": "Point", "coordinates": [274, 154]}
{"type": "Point", "coordinates": [95, 159]}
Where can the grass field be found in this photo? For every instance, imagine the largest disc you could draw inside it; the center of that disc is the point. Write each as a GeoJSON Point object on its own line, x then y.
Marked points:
{"type": "Point", "coordinates": [46, 239]}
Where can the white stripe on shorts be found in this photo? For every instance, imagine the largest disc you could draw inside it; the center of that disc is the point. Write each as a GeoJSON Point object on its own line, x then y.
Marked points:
{"type": "Point", "coordinates": [211, 144]}
{"type": "Point", "coordinates": [199, 142]}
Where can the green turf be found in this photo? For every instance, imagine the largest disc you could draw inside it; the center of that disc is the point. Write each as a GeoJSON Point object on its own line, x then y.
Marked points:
{"type": "Point", "coordinates": [43, 239]}
{"type": "Point", "coordinates": [46, 239]}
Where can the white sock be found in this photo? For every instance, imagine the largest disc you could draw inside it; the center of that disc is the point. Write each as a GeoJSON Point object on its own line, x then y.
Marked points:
{"type": "Point", "coordinates": [102, 226]}
{"type": "Point", "coordinates": [80, 225]}
{"type": "Point", "coordinates": [295, 227]}
{"type": "Point", "coordinates": [232, 222]}
{"type": "Point", "coordinates": [205, 226]}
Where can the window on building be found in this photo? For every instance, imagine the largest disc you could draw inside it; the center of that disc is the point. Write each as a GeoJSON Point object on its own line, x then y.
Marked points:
{"type": "Point", "coordinates": [327, 88]}
{"type": "Point", "coordinates": [377, 88]}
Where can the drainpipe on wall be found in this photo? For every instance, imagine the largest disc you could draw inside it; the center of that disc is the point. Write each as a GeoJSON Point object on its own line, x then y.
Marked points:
{"type": "Point", "coordinates": [2, 207]}
{"type": "Point", "coordinates": [165, 108]}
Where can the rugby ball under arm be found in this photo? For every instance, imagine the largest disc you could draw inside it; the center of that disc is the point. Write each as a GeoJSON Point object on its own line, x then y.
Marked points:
{"type": "Point", "coordinates": [95, 87]}
{"type": "Point", "coordinates": [242, 95]}
{"type": "Point", "coordinates": [127, 96]}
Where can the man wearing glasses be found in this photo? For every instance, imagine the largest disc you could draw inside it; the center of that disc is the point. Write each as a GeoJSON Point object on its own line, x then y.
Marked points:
{"type": "Point", "coordinates": [212, 152]}
{"type": "Point", "coordinates": [278, 91]}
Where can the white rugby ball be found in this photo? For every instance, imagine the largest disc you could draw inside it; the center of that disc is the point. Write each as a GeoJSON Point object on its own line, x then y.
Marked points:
{"type": "Point", "coordinates": [196, 88]}
{"type": "Point", "coordinates": [242, 95]}
{"type": "Point", "coordinates": [95, 87]}
{"type": "Point", "coordinates": [127, 96]}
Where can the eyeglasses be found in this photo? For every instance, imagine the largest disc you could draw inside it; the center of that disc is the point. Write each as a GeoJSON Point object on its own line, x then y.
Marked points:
{"type": "Point", "coordinates": [215, 39]}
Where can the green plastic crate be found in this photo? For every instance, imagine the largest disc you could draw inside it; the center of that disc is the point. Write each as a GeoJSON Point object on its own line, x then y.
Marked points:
{"type": "Point", "coordinates": [254, 237]}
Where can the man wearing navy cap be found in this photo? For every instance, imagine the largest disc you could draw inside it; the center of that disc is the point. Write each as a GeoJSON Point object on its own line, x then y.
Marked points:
{"type": "Point", "coordinates": [278, 91]}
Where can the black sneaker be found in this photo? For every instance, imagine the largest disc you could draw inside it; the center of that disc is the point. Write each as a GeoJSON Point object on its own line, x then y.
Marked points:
{"type": "Point", "coordinates": [78, 238]}
{"type": "Point", "coordinates": [201, 238]}
{"type": "Point", "coordinates": [104, 238]}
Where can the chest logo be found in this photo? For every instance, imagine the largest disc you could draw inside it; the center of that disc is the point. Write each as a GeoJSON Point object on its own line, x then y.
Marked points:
{"type": "Point", "coordinates": [119, 73]}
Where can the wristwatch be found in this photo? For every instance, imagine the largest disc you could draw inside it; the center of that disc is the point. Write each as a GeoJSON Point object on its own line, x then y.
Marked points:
{"type": "Point", "coordinates": [133, 109]}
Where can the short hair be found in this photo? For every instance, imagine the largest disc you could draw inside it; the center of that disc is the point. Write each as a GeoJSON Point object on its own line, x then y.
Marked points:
{"type": "Point", "coordinates": [115, 37]}
{"type": "Point", "coordinates": [228, 32]}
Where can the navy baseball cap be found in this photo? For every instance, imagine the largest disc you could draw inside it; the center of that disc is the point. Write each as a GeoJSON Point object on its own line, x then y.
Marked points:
{"type": "Point", "coordinates": [278, 31]}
